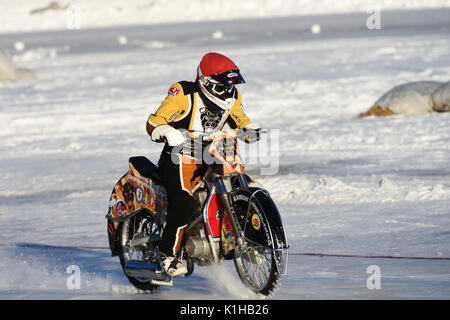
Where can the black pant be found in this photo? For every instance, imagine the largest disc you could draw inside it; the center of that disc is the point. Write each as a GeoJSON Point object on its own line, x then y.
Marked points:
{"type": "Point", "coordinates": [179, 209]}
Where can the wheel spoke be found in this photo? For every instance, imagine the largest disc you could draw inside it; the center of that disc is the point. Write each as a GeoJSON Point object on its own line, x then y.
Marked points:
{"type": "Point", "coordinates": [257, 265]}
{"type": "Point", "coordinates": [138, 227]}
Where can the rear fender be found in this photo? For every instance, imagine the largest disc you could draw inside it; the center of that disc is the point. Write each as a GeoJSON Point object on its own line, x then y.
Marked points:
{"type": "Point", "coordinates": [131, 194]}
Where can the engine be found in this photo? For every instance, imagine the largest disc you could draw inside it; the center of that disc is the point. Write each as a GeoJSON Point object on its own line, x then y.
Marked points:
{"type": "Point", "coordinates": [197, 247]}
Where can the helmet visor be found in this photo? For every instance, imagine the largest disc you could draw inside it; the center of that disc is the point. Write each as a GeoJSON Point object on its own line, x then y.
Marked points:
{"type": "Point", "coordinates": [229, 78]}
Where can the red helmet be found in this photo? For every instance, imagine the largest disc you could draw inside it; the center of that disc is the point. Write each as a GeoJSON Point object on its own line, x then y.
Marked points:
{"type": "Point", "coordinates": [217, 76]}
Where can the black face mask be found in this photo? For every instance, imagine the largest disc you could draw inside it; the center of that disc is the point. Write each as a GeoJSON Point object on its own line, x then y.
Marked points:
{"type": "Point", "coordinates": [221, 91]}
{"type": "Point", "coordinates": [207, 102]}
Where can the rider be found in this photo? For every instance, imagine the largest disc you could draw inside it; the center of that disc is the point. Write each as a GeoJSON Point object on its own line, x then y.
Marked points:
{"type": "Point", "coordinates": [205, 105]}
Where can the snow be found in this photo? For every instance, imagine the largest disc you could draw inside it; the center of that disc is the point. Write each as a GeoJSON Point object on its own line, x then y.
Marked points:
{"type": "Point", "coordinates": [367, 187]}
{"type": "Point", "coordinates": [76, 14]}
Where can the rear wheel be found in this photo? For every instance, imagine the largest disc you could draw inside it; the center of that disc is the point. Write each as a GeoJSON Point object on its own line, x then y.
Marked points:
{"type": "Point", "coordinates": [141, 225]}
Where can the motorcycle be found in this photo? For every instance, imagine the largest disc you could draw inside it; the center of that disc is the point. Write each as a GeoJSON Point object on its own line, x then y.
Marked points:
{"type": "Point", "coordinates": [232, 220]}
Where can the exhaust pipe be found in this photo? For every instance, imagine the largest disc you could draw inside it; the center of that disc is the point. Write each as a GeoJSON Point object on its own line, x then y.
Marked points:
{"type": "Point", "coordinates": [146, 270]}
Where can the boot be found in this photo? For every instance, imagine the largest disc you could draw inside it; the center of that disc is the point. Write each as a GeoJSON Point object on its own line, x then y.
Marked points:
{"type": "Point", "coordinates": [172, 266]}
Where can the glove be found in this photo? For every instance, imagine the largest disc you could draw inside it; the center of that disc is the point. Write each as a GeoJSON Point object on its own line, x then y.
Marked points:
{"type": "Point", "coordinates": [253, 126]}
{"type": "Point", "coordinates": [170, 135]}
{"type": "Point", "coordinates": [252, 132]}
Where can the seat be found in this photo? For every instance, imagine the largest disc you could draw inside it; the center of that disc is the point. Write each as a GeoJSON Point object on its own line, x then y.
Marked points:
{"type": "Point", "coordinates": [146, 168]}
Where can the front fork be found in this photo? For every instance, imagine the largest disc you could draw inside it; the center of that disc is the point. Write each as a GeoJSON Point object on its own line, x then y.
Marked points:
{"type": "Point", "coordinates": [224, 187]}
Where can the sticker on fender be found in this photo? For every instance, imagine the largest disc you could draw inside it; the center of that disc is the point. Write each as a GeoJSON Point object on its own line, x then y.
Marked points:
{"type": "Point", "coordinates": [256, 222]}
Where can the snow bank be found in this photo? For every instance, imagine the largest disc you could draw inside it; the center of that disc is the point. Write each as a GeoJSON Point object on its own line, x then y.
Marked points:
{"type": "Point", "coordinates": [411, 99]}
{"type": "Point", "coordinates": [27, 15]}
{"type": "Point", "coordinates": [440, 98]}
{"type": "Point", "coordinates": [9, 72]}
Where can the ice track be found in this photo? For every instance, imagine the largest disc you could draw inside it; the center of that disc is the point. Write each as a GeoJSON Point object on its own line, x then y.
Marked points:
{"type": "Point", "coordinates": [351, 193]}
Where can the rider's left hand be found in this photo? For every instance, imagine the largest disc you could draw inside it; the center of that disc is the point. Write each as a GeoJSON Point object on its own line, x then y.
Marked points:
{"type": "Point", "coordinates": [252, 132]}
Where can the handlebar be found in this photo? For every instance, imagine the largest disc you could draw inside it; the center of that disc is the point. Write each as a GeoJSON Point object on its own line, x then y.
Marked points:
{"type": "Point", "coordinates": [241, 134]}
{"type": "Point", "coordinates": [203, 139]}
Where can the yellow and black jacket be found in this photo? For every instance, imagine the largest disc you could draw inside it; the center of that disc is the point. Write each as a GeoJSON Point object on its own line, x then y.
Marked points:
{"type": "Point", "coordinates": [186, 107]}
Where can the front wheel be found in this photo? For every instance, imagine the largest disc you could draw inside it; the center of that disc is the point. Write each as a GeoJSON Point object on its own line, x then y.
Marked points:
{"type": "Point", "coordinates": [259, 259]}
{"type": "Point", "coordinates": [257, 268]}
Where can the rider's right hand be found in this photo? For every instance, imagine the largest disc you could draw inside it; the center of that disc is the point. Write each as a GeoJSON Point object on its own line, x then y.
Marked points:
{"type": "Point", "coordinates": [171, 136]}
